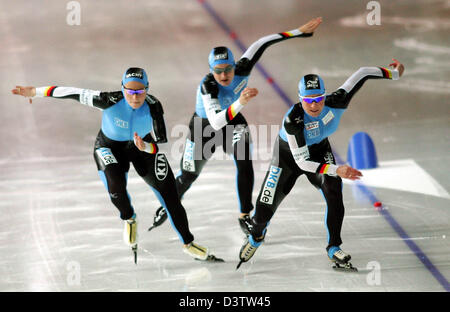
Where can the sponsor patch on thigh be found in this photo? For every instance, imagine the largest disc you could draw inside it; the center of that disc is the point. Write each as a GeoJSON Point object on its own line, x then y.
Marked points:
{"type": "Point", "coordinates": [270, 185]}
{"type": "Point", "coordinates": [106, 155]}
{"type": "Point", "coordinates": [161, 166]}
{"type": "Point", "coordinates": [188, 156]}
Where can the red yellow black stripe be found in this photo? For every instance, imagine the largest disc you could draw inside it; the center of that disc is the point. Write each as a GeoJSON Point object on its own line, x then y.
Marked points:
{"type": "Point", "coordinates": [386, 73]}
{"type": "Point", "coordinates": [49, 91]}
{"type": "Point", "coordinates": [323, 169]}
{"type": "Point", "coordinates": [287, 34]}
{"type": "Point", "coordinates": [152, 148]}
{"type": "Point", "coordinates": [231, 112]}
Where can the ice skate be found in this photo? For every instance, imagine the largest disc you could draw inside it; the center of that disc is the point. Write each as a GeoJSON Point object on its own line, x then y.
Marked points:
{"type": "Point", "coordinates": [340, 259]}
{"type": "Point", "coordinates": [130, 235]}
{"type": "Point", "coordinates": [196, 251]}
{"type": "Point", "coordinates": [248, 249]}
{"type": "Point", "coordinates": [130, 231]}
{"type": "Point", "coordinates": [160, 217]}
{"type": "Point", "coordinates": [200, 253]}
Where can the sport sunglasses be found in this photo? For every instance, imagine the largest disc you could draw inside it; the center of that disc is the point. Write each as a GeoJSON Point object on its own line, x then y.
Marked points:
{"type": "Point", "coordinates": [225, 70]}
{"type": "Point", "coordinates": [132, 91]}
{"type": "Point", "coordinates": [311, 100]}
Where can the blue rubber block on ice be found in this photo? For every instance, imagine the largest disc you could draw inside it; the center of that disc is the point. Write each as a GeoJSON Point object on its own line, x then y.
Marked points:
{"type": "Point", "coordinates": [361, 152]}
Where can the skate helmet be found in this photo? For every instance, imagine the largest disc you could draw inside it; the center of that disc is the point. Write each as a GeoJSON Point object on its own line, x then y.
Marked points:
{"type": "Point", "coordinates": [220, 55]}
{"type": "Point", "coordinates": [310, 84]}
{"type": "Point", "coordinates": [135, 74]}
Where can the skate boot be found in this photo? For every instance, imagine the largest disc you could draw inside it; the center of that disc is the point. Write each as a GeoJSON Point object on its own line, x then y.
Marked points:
{"type": "Point", "coordinates": [200, 253]}
{"type": "Point", "coordinates": [160, 217]}
{"type": "Point", "coordinates": [337, 255]}
{"type": "Point", "coordinates": [246, 224]}
{"type": "Point", "coordinates": [340, 259]}
{"type": "Point", "coordinates": [248, 249]}
{"type": "Point", "coordinates": [196, 251]}
{"type": "Point", "coordinates": [130, 231]}
{"type": "Point", "coordinates": [130, 235]}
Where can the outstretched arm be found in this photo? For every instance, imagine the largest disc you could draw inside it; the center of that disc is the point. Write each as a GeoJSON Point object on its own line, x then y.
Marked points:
{"type": "Point", "coordinates": [88, 97]}
{"type": "Point", "coordinates": [344, 94]}
{"type": "Point", "coordinates": [254, 52]}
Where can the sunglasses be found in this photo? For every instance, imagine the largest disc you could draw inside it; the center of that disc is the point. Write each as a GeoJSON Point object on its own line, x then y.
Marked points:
{"type": "Point", "coordinates": [132, 91]}
{"type": "Point", "coordinates": [311, 100]}
{"type": "Point", "coordinates": [225, 70]}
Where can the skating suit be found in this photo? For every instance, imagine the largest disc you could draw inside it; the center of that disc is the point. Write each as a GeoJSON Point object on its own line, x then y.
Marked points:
{"type": "Point", "coordinates": [217, 121]}
{"type": "Point", "coordinates": [115, 149]}
{"type": "Point", "coordinates": [302, 147]}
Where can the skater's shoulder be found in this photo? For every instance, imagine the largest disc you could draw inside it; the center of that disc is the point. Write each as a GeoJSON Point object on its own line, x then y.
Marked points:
{"type": "Point", "coordinates": [293, 120]}
{"type": "Point", "coordinates": [209, 84]}
{"type": "Point", "coordinates": [243, 67]}
{"type": "Point", "coordinates": [111, 97]}
{"type": "Point", "coordinates": [151, 99]}
{"type": "Point", "coordinates": [295, 113]}
{"type": "Point", "coordinates": [336, 99]}
{"type": "Point", "coordinates": [209, 78]}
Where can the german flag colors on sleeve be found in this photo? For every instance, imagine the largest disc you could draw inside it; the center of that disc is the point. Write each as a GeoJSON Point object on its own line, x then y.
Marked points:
{"type": "Point", "coordinates": [327, 169]}
{"type": "Point", "coordinates": [45, 91]}
{"type": "Point", "coordinates": [49, 90]}
{"type": "Point", "coordinates": [389, 74]}
{"type": "Point", "coordinates": [323, 168]}
{"type": "Point", "coordinates": [291, 33]}
{"type": "Point", "coordinates": [233, 110]}
{"type": "Point", "coordinates": [386, 73]}
{"type": "Point", "coordinates": [150, 148]}
{"type": "Point", "coordinates": [287, 34]}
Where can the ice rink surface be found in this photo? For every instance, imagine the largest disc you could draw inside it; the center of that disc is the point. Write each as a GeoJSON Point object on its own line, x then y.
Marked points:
{"type": "Point", "coordinates": [59, 230]}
